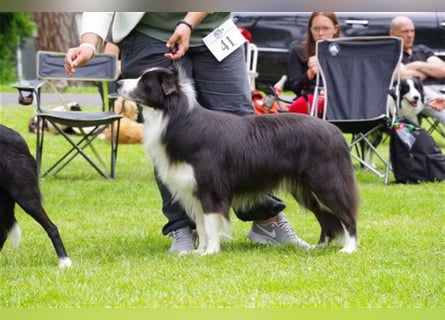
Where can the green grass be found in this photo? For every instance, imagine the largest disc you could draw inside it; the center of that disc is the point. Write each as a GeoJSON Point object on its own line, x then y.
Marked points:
{"type": "Point", "coordinates": [112, 232]}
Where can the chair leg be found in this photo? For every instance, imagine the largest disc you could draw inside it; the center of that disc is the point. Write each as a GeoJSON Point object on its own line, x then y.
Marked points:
{"type": "Point", "coordinates": [114, 145]}
{"type": "Point", "coordinates": [435, 125]}
{"type": "Point", "coordinates": [39, 142]}
{"type": "Point", "coordinates": [76, 149]}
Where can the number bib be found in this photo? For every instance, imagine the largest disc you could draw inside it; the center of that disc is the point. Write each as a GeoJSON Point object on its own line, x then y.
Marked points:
{"type": "Point", "coordinates": [225, 39]}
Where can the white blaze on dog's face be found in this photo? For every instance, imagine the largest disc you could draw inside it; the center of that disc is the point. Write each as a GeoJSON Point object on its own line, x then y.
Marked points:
{"type": "Point", "coordinates": [412, 95]}
{"type": "Point", "coordinates": [411, 99]}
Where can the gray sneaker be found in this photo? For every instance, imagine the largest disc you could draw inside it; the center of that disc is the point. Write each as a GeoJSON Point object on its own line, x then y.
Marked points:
{"type": "Point", "coordinates": [275, 233]}
{"type": "Point", "coordinates": [183, 240]}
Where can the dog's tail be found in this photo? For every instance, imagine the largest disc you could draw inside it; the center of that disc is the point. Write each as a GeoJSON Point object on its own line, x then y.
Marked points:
{"type": "Point", "coordinates": [15, 235]}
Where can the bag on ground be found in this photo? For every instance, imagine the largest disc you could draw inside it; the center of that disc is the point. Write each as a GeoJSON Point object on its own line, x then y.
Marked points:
{"type": "Point", "coordinates": [415, 156]}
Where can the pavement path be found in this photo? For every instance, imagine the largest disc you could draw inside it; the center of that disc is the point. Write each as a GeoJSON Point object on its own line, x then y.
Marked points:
{"type": "Point", "coordinates": [10, 99]}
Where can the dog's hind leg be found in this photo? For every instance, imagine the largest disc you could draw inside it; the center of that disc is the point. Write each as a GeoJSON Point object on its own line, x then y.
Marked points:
{"type": "Point", "coordinates": [36, 211]}
{"type": "Point", "coordinates": [28, 196]}
{"type": "Point", "coordinates": [9, 229]}
{"type": "Point", "coordinates": [336, 217]}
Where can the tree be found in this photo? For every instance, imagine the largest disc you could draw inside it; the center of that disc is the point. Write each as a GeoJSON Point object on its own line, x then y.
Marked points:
{"type": "Point", "coordinates": [56, 31]}
{"type": "Point", "coordinates": [13, 26]}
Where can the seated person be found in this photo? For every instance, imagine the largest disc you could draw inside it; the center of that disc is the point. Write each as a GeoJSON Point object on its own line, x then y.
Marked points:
{"type": "Point", "coordinates": [419, 60]}
{"type": "Point", "coordinates": [302, 62]}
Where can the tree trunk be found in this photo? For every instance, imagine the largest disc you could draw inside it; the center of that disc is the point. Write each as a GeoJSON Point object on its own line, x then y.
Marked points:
{"type": "Point", "coordinates": [56, 31]}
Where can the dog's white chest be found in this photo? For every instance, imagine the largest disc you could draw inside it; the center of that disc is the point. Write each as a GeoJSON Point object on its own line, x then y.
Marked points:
{"type": "Point", "coordinates": [178, 176]}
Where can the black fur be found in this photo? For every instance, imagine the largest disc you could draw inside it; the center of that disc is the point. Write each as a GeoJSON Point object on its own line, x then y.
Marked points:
{"type": "Point", "coordinates": [236, 159]}
{"type": "Point", "coordinates": [19, 184]}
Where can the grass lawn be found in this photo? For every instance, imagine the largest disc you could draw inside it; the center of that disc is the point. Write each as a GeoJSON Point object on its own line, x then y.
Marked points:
{"type": "Point", "coordinates": [112, 232]}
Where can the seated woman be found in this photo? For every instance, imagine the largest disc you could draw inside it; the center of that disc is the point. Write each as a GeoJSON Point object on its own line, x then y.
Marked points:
{"type": "Point", "coordinates": [302, 62]}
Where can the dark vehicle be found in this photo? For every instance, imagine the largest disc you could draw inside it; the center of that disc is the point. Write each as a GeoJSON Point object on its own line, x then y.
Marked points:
{"type": "Point", "coordinates": [275, 33]}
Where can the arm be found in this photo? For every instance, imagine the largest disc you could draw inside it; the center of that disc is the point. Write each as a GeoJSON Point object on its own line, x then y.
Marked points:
{"type": "Point", "coordinates": [180, 40]}
{"type": "Point", "coordinates": [95, 26]}
{"type": "Point", "coordinates": [433, 67]}
{"type": "Point", "coordinates": [298, 72]}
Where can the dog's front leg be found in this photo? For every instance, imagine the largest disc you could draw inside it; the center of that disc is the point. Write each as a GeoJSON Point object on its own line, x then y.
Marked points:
{"type": "Point", "coordinates": [202, 237]}
{"type": "Point", "coordinates": [212, 227]}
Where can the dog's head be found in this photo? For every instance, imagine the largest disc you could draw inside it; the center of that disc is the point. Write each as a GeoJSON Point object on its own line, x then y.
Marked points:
{"type": "Point", "coordinates": [411, 95]}
{"type": "Point", "coordinates": [154, 88]}
{"type": "Point", "coordinates": [411, 98]}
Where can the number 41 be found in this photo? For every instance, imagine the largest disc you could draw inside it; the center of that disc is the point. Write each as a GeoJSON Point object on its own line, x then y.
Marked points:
{"type": "Point", "coordinates": [225, 45]}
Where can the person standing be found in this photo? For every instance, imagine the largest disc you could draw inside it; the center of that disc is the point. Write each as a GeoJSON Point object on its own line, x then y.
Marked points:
{"type": "Point", "coordinates": [155, 39]}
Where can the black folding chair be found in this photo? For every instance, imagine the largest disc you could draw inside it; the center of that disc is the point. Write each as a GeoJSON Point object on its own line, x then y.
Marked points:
{"type": "Point", "coordinates": [357, 75]}
{"type": "Point", "coordinates": [50, 68]}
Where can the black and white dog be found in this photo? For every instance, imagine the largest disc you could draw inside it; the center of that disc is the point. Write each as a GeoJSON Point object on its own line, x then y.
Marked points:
{"type": "Point", "coordinates": [212, 160]}
{"type": "Point", "coordinates": [411, 99]}
{"type": "Point", "coordinates": [19, 184]}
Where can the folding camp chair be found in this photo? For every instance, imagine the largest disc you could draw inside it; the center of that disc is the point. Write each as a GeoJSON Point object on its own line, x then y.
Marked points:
{"type": "Point", "coordinates": [91, 123]}
{"type": "Point", "coordinates": [356, 75]}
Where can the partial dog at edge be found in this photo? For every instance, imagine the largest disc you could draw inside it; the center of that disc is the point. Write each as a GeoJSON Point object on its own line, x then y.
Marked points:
{"type": "Point", "coordinates": [19, 184]}
{"type": "Point", "coordinates": [212, 160]}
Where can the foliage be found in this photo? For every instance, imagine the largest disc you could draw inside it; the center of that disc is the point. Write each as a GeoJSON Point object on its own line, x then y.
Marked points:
{"type": "Point", "coordinates": [13, 26]}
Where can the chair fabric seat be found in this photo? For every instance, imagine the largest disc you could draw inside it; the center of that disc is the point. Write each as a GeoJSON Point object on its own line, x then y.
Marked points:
{"type": "Point", "coordinates": [356, 126]}
{"type": "Point", "coordinates": [81, 119]}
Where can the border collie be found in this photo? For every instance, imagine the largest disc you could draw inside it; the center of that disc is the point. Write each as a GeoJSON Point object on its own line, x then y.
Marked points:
{"type": "Point", "coordinates": [411, 104]}
{"type": "Point", "coordinates": [411, 99]}
{"type": "Point", "coordinates": [19, 184]}
{"type": "Point", "coordinates": [213, 160]}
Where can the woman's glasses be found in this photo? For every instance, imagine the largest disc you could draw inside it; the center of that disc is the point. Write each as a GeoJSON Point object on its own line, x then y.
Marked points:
{"type": "Point", "coordinates": [323, 29]}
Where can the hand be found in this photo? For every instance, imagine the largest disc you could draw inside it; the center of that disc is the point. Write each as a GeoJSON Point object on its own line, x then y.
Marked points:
{"type": "Point", "coordinates": [437, 103]}
{"type": "Point", "coordinates": [312, 64]}
{"type": "Point", "coordinates": [76, 57]}
{"type": "Point", "coordinates": [179, 42]}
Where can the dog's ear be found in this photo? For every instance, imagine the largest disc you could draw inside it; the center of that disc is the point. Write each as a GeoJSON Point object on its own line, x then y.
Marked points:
{"type": "Point", "coordinates": [169, 82]}
{"type": "Point", "coordinates": [419, 85]}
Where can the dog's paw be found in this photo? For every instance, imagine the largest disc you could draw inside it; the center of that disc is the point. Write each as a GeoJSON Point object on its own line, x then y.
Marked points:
{"type": "Point", "coordinates": [65, 263]}
{"type": "Point", "coordinates": [349, 249]}
{"type": "Point", "coordinates": [206, 251]}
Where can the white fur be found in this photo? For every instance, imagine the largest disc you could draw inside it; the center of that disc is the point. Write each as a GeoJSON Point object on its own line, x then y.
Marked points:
{"type": "Point", "coordinates": [15, 235]}
{"type": "Point", "coordinates": [65, 263]}
{"type": "Point", "coordinates": [350, 243]}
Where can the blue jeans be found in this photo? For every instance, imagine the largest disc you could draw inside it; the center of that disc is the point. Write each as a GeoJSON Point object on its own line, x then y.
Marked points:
{"type": "Point", "coordinates": [221, 86]}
